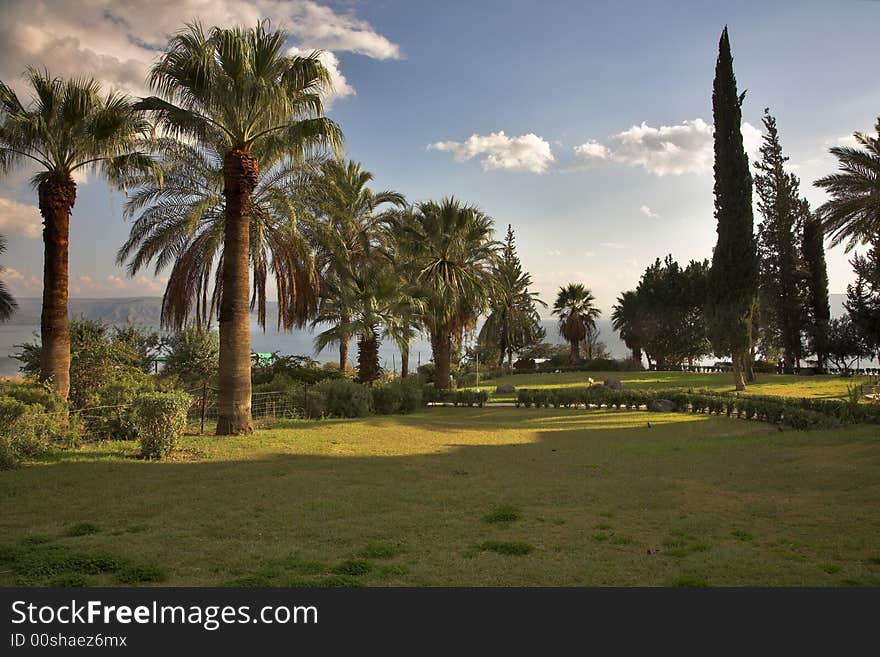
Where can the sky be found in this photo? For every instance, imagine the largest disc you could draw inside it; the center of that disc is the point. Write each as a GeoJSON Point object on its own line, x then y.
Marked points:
{"type": "Point", "coordinates": [587, 126]}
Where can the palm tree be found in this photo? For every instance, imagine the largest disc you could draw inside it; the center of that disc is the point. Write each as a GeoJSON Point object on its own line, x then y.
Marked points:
{"type": "Point", "coordinates": [353, 231]}
{"type": "Point", "coordinates": [68, 127]}
{"type": "Point", "coordinates": [7, 303]}
{"type": "Point", "coordinates": [577, 315]}
{"type": "Point", "coordinates": [180, 222]}
{"type": "Point", "coordinates": [451, 252]}
{"type": "Point", "coordinates": [625, 318]}
{"type": "Point", "coordinates": [236, 83]}
{"type": "Point", "coordinates": [377, 305]}
{"type": "Point", "coordinates": [853, 212]}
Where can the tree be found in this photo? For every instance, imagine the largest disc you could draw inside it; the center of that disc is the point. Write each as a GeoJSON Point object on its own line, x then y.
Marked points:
{"type": "Point", "coordinates": [845, 344]}
{"type": "Point", "coordinates": [68, 127]}
{"type": "Point", "coordinates": [7, 303]}
{"type": "Point", "coordinates": [236, 83]}
{"type": "Point", "coordinates": [180, 221]}
{"type": "Point", "coordinates": [818, 309]}
{"type": "Point", "coordinates": [733, 277]}
{"type": "Point", "coordinates": [353, 231]}
{"type": "Point", "coordinates": [780, 239]}
{"type": "Point", "coordinates": [192, 355]}
{"type": "Point", "coordinates": [670, 304]}
{"type": "Point", "coordinates": [376, 304]}
{"type": "Point", "coordinates": [863, 297]}
{"type": "Point", "coordinates": [513, 322]}
{"type": "Point", "coordinates": [449, 248]}
{"type": "Point", "coordinates": [575, 307]}
{"type": "Point", "coordinates": [626, 320]}
{"type": "Point", "coordinates": [852, 214]}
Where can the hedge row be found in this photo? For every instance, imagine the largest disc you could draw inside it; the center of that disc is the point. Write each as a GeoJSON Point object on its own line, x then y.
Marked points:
{"type": "Point", "coordinates": [844, 411]}
{"type": "Point", "coordinates": [778, 410]}
{"type": "Point", "coordinates": [432, 395]}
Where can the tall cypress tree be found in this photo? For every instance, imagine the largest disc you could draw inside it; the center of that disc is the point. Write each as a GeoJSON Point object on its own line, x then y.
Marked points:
{"type": "Point", "coordinates": [733, 278]}
{"type": "Point", "coordinates": [819, 311]}
{"type": "Point", "coordinates": [779, 247]}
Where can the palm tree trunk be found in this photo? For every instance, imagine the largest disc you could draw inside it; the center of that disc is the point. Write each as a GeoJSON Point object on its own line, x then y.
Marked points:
{"type": "Point", "coordinates": [368, 358]}
{"type": "Point", "coordinates": [441, 346]}
{"type": "Point", "coordinates": [57, 197]}
{"type": "Point", "coordinates": [575, 353]}
{"type": "Point", "coordinates": [344, 318]}
{"type": "Point", "coordinates": [738, 370]}
{"type": "Point", "coordinates": [404, 362]}
{"type": "Point", "coordinates": [240, 173]}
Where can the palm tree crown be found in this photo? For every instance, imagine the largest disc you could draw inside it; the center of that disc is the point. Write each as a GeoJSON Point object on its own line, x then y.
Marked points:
{"type": "Point", "coordinates": [577, 314]}
{"type": "Point", "coordinates": [853, 212]}
{"type": "Point", "coordinates": [7, 303]}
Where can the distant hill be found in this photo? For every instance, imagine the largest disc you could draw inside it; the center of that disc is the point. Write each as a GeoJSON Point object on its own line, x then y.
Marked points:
{"type": "Point", "coordinates": [143, 311]}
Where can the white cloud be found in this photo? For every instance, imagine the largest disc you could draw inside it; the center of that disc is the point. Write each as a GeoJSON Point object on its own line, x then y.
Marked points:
{"type": "Point", "coordinates": [666, 150]}
{"type": "Point", "coordinates": [589, 254]}
{"type": "Point", "coordinates": [613, 245]}
{"type": "Point", "coordinates": [648, 212]}
{"type": "Point", "coordinates": [111, 285]}
{"type": "Point", "coordinates": [21, 284]}
{"type": "Point", "coordinates": [117, 41]}
{"type": "Point", "coordinates": [554, 253]}
{"type": "Point", "coordinates": [498, 151]}
{"type": "Point", "coordinates": [19, 219]}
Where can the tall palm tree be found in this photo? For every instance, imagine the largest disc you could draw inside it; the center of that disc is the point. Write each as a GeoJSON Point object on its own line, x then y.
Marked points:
{"type": "Point", "coordinates": [7, 303]}
{"type": "Point", "coordinates": [577, 315]}
{"type": "Point", "coordinates": [353, 231]}
{"type": "Point", "coordinates": [853, 212]}
{"type": "Point", "coordinates": [451, 253]}
{"type": "Point", "coordinates": [236, 82]}
{"type": "Point", "coordinates": [68, 127]}
{"type": "Point", "coordinates": [625, 318]}
{"type": "Point", "coordinates": [180, 223]}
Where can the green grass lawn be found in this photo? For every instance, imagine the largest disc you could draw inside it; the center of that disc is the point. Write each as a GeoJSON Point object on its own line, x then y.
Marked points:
{"type": "Point", "coordinates": [825, 386]}
{"type": "Point", "coordinates": [493, 496]}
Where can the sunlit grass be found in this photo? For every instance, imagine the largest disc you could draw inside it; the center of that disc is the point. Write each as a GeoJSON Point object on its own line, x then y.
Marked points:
{"type": "Point", "coordinates": [438, 498]}
{"type": "Point", "coordinates": [789, 385]}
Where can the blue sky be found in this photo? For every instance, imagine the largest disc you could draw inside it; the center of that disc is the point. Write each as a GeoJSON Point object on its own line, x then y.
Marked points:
{"type": "Point", "coordinates": [605, 109]}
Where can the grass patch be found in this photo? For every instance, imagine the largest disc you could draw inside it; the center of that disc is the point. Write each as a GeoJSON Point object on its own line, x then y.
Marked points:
{"type": "Point", "coordinates": [741, 535]}
{"type": "Point", "coordinates": [509, 548]}
{"type": "Point", "coordinates": [830, 568]}
{"type": "Point", "coordinates": [378, 551]}
{"type": "Point", "coordinates": [690, 581]}
{"type": "Point", "coordinates": [82, 529]}
{"type": "Point", "coordinates": [680, 545]}
{"type": "Point", "coordinates": [353, 567]}
{"type": "Point", "coordinates": [507, 513]}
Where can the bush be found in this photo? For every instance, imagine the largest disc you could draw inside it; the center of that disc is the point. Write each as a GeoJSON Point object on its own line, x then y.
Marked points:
{"type": "Point", "coordinates": [524, 365]}
{"type": "Point", "coordinates": [160, 418]}
{"type": "Point", "coordinates": [386, 399]}
{"type": "Point", "coordinates": [426, 372]}
{"type": "Point", "coordinates": [109, 414]}
{"type": "Point", "coordinates": [26, 431]}
{"type": "Point", "coordinates": [344, 398]}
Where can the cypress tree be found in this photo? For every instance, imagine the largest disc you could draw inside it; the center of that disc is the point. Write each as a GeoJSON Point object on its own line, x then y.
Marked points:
{"type": "Point", "coordinates": [733, 278]}
{"type": "Point", "coordinates": [819, 311]}
{"type": "Point", "coordinates": [779, 247]}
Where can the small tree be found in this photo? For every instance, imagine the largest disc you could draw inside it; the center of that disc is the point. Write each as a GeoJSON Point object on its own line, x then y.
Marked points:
{"type": "Point", "coordinates": [845, 344]}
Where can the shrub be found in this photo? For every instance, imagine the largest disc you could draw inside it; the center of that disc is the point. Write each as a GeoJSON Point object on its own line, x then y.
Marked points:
{"type": "Point", "coordinates": [160, 418]}
{"type": "Point", "coordinates": [109, 414]}
{"type": "Point", "coordinates": [344, 398]}
{"type": "Point", "coordinates": [524, 365]}
{"type": "Point", "coordinates": [410, 394]}
{"type": "Point", "coordinates": [386, 399]}
{"type": "Point", "coordinates": [26, 431]}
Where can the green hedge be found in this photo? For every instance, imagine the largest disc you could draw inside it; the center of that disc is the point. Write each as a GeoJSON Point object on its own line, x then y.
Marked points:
{"type": "Point", "coordinates": [799, 414]}
{"type": "Point", "coordinates": [26, 431]}
{"type": "Point", "coordinates": [432, 395]}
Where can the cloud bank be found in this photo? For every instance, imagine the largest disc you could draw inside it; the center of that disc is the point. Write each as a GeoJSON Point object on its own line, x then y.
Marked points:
{"type": "Point", "coordinates": [665, 150]}
{"type": "Point", "coordinates": [116, 42]}
{"type": "Point", "coordinates": [498, 151]}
